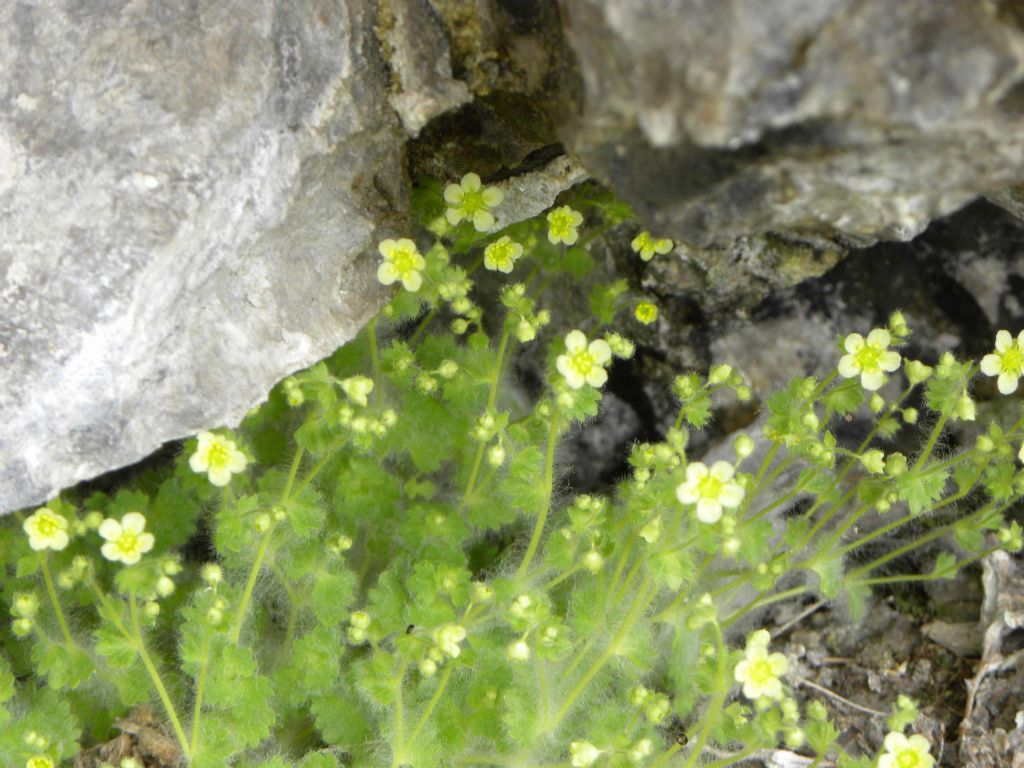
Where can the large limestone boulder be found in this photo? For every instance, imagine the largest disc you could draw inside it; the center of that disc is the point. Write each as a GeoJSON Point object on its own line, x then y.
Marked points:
{"type": "Point", "coordinates": [858, 120]}
{"type": "Point", "coordinates": [190, 194]}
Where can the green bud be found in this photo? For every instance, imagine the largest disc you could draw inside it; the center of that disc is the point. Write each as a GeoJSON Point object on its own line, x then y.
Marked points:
{"type": "Point", "coordinates": [448, 369]}
{"type": "Point", "coordinates": [873, 461]}
{"type": "Point", "coordinates": [744, 446]}
{"type": "Point", "coordinates": [917, 371]}
{"type": "Point", "coordinates": [719, 374]}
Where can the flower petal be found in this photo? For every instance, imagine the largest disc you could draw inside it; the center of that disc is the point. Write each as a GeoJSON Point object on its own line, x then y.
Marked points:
{"type": "Point", "coordinates": [386, 248]}
{"type": "Point", "coordinates": [219, 476]}
{"type": "Point", "coordinates": [110, 529]}
{"type": "Point", "coordinates": [471, 182]}
{"type": "Point", "coordinates": [146, 541]}
{"type": "Point", "coordinates": [453, 194]}
{"type": "Point", "coordinates": [1003, 341]}
{"type": "Point", "coordinates": [848, 366]}
{"type": "Point", "coordinates": [59, 541]}
{"type": "Point", "coordinates": [696, 471]}
{"type": "Point", "coordinates": [731, 495]}
{"type": "Point", "coordinates": [133, 522]}
{"type": "Point", "coordinates": [412, 281]}
{"type": "Point", "coordinates": [879, 337]}
{"type": "Point", "coordinates": [575, 340]}
{"type": "Point", "coordinates": [872, 380]}
{"type": "Point", "coordinates": [493, 196]}
{"type": "Point", "coordinates": [111, 551]}
{"type": "Point", "coordinates": [709, 511]}
{"type": "Point", "coordinates": [853, 343]}
{"type": "Point", "coordinates": [1007, 383]}
{"type": "Point", "coordinates": [687, 493]}
{"type": "Point", "coordinates": [889, 361]}
{"type": "Point", "coordinates": [386, 275]}
{"type": "Point", "coordinates": [600, 351]}
{"type": "Point", "coordinates": [597, 377]}
{"type": "Point", "coordinates": [723, 470]}
{"type": "Point", "coordinates": [991, 365]}
{"type": "Point", "coordinates": [483, 220]}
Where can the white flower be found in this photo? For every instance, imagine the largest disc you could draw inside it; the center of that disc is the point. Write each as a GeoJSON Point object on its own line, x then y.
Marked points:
{"type": "Point", "coordinates": [582, 363]}
{"type": "Point", "coordinates": [501, 255]}
{"type": "Point", "coordinates": [468, 200]}
{"type": "Point", "coordinates": [562, 225]}
{"type": "Point", "coordinates": [402, 261]}
{"type": "Point", "coordinates": [759, 671]}
{"type": "Point", "coordinates": [218, 456]}
{"type": "Point", "coordinates": [1007, 362]}
{"type": "Point", "coordinates": [583, 754]}
{"type": "Point", "coordinates": [127, 540]}
{"type": "Point", "coordinates": [710, 489]}
{"type": "Point", "coordinates": [903, 752]}
{"type": "Point", "coordinates": [869, 358]}
{"type": "Point", "coordinates": [46, 530]}
{"type": "Point", "coordinates": [647, 246]}
{"type": "Point", "coordinates": [448, 636]}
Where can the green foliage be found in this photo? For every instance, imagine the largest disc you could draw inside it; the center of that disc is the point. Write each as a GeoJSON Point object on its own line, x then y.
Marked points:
{"type": "Point", "coordinates": [384, 564]}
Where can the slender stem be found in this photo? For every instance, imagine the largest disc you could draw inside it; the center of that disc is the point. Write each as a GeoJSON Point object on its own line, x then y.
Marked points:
{"type": "Point", "coordinates": [371, 332]}
{"type": "Point", "coordinates": [561, 577]}
{"type": "Point", "coordinates": [44, 565]}
{"type": "Point", "coordinates": [762, 601]}
{"type": "Point", "coordinates": [438, 692]}
{"type": "Point", "coordinates": [549, 480]}
{"type": "Point", "coordinates": [316, 468]}
{"type": "Point", "coordinates": [250, 584]}
{"type": "Point", "coordinates": [932, 439]}
{"type": "Point", "coordinates": [261, 552]}
{"type": "Point", "coordinates": [197, 709]}
{"type": "Point", "coordinates": [399, 756]}
{"type": "Point", "coordinates": [714, 709]}
{"type": "Point", "coordinates": [910, 577]}
{"type": "Point", "coordinates": [640, 603]}
{"type": "Point", "coordinates": [154, 675]}
{"type": "Point", "coordinates": [492, 400]}
{"type": "Point", "coordinates": [422, 327]}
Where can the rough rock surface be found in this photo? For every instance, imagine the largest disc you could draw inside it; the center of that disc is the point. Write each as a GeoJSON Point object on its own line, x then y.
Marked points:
{"type": "Point", "coordinates": [860, 120]}
{"type": "Point", "coordinates": [188, 193]}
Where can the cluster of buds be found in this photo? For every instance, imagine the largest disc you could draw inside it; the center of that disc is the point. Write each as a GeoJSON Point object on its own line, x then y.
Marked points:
{"type": "Point", "coordinates": [488, 426]}
{"type": "Point", "coordinates": [365, 426]}
{"type": "Point", "coordinates": [74, 573]}
{"type": "Point", "coordinates": [293, 392]}
{"type": "Point", "coordinates": [23, 608]}
{"type": "Point", "coordinates": [358, 625]}
{"type": "Point", "coordinates": [340, 544]}
{"type": "Point", "coordinates": [655, 706]}
{"type": "Point", "coordinates": [522, 311]}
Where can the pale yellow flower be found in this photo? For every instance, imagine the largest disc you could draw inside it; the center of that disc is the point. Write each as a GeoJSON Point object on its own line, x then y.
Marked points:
{"type": "Point", "coordinates": [127, 540]}
{"type": "Point", "coordinates": [1007, 362]}
{"type": "Point", "coordinates": [470, 200]}
{"type": "Point", "coordinates": [501, 255]}
{"type": "Point", "coordinates": [402, 261]}
{"type": "Point", "coordinates": [647, 245]}
{"type": "Point", "coordinates": [218, 456]}
{"type": "Point", "coordinates": [710, 489]}
{"type": "Point", "coordinates": [869, 358]}
{"type": "Point", "coordinates": [562, 225]}
{"type": "Point", "coordinates": [46, 530]}
{"type": "Point", "coordinates": [760, 671]}
{"type": "Point", "coordinates": [584, 363]}
{"type": "Point", "coordinates": [904, 752]}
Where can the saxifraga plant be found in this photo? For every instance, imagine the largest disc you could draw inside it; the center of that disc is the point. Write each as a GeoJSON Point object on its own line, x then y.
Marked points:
{"type": "Point", "coordinates": [380, 567]}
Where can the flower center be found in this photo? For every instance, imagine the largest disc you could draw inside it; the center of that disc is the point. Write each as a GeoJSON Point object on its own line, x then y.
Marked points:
{"type": "Point", "coordinates": [761, 671]}
{"type": "Point", "coordinates": [501, 254]}
{"type": "Point", "coordinates": [218, 455]}
{"type": "Point", "coordinates": [709, 487]}
{"type": "Point", "coordinates": [473, 202]}
{"type": "Point", "coordinates": [868, 358]}
{"type": "Point", "coordinates": [128, 542]}
{"type": "Point", "coordinates": [1013, 361]}
{"type": "Point", "coordinates": [908, 758]}
{"type": "Point", "coordinates": [646, 242]}
{"type": "Point", "coordinates": [582, 361]}
{"type": "Point", "coordinates": [404, 262]}
{"type": "Point", "coordinates": [561, 224]}
{"type": "Point", "coordinates": [47, 526]}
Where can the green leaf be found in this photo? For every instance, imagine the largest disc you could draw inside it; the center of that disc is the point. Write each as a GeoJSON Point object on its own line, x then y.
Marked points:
{"type": "Point", "coordinates": [118, 650]}
{"type": "Point", "coordinates": [845, 397]}
{"type": "Point", "coordinates": [922, 488]}
{"type": "Point", "coordinates": [830, 576]}
{"type": "Point", "coordinates": [341, 717]}
{"type": "Point", "coordinates": [62, 667]}
{"type": "Point", "coordinates": [427, 431]}
{"type": "Point", "coordinates": [946, 566]}
{"type": "Point", "coordinates": [332, 595]}
{"type": "Point", "coordinates": [821, 735]}
{"type": "Point", "coordinates": [671, 568]}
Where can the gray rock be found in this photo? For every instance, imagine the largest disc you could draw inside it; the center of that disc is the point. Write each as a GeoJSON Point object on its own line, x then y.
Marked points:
{"type": "Point", "coordinates": [189, 196]}
{"type": "Point", "coordinates": [861, 120]}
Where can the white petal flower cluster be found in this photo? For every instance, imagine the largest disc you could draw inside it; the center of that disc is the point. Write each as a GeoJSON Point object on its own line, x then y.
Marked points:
{"type": "Point", "coordinates": [760, 671]}
{"type": "Point", "coordinates": [583, 362]}
{"type": "Point", "coordinates": [126, 541]}
{"type": "Point", "coordinates": [869, 358]}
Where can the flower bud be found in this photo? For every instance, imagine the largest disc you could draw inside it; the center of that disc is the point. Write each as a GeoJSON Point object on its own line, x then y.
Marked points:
{"type": "Point", "coordinates": [459, 326]}
{"type": "Point", "coordinates": [448, 369]}
{"type": "Point", "coordinates": [151, 609]}
{"type": "Point", "coordinates": [215, 616]}
{"type": "Point", "coordinates": [25, 604]}
{"type": "Point", "coordinates": [388, 418]}
{"type": "Point", "coordinates": [744, 446]}
{"type": "Point", "coordinates": [518, 651]}
{"type": "Point", "coordinates": [340, 543]}
{"type": "Point", "coordinates": [646, 312]}
{"type": "Point", "coordinates": [898, 325]}
{"type": "Point", "coordinates": [212, 574]}
{"type": "Point", "coordinates": [482, 593]}
{"type": "Point", "coordinates": [427, 667]}
{"type": "Point", "coordinates": [917, 371]}
{"type": "Point", "coordinates": [170, 567]}
{"type": "Point", "coordinates": [877, 403]}
{"type": "Point", "coordinates": [262, 523]}
{"type": "Point", "coordinates": [165, 586]}
{"type": "Point", "coordinates": [873, 461]}
{"type": "Point", "coordinates": [593, 561]}
{"type": "Point", "coordinates": [719, 374]}
{"type": "Point", "coordinates": [496, 455]}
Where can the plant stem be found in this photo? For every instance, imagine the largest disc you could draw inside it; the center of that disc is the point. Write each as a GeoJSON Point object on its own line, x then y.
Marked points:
{"type": "Point", "coordinates": [432, 703]}
{"type": "Point", "coordinates": [204, 663]}
{"type": "Point", "coordinates": [640, 603]}
{"type": "Point", "coordinates": [714, 709]}
{"type": "Point", "coordinates": [48, 579]}
{"type": "Point", "coordinates": [399, 755]}
{"type": "Point", "coordinates": [154, 675]}
{"type": "Point", "coordinates": [549, 481]}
